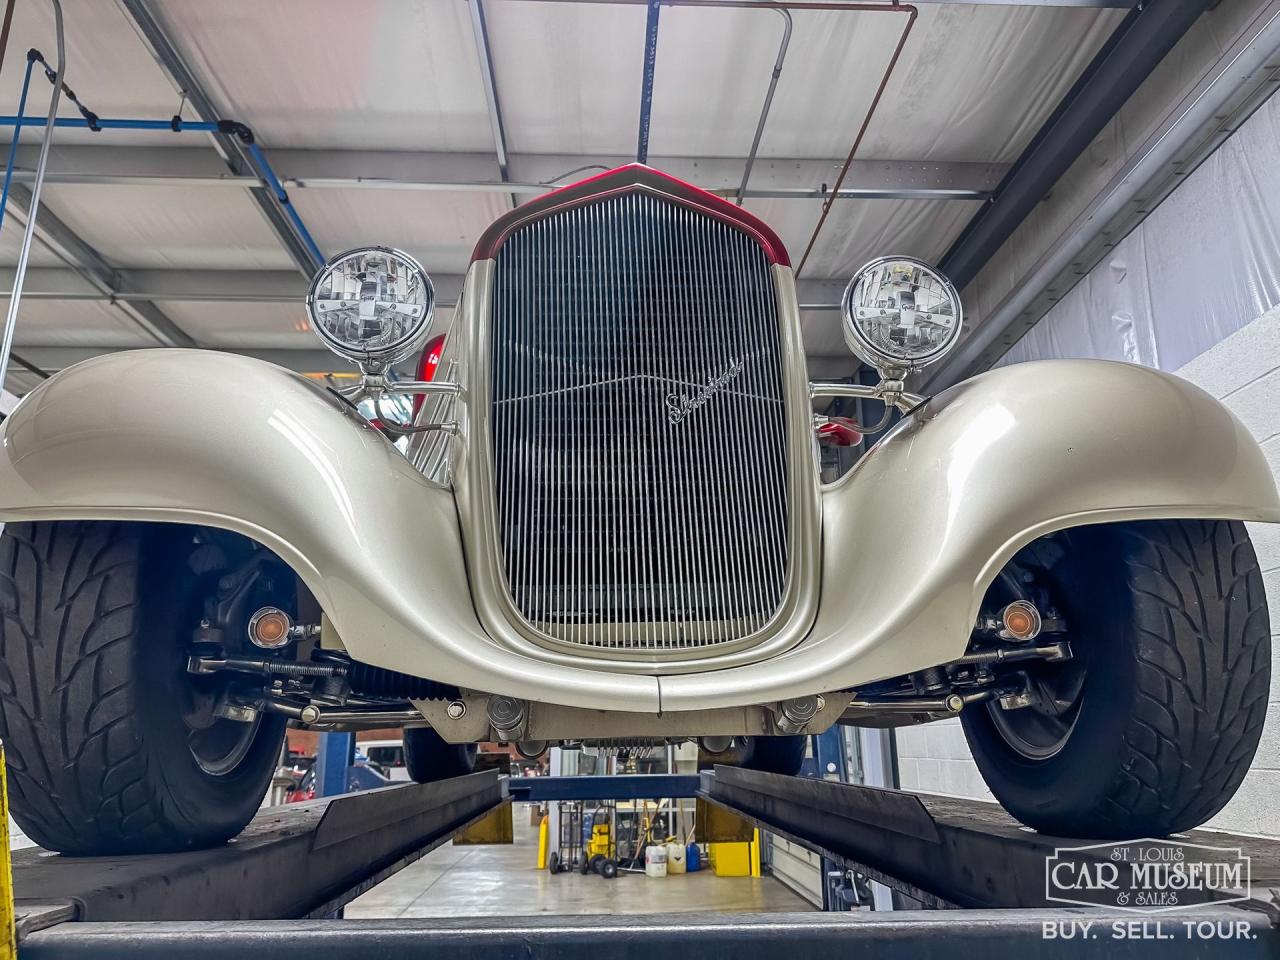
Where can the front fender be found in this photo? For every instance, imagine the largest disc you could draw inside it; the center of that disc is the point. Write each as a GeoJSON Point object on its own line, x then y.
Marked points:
{"type": "Point", "coordinates": [209, 438]}
{"type": "Point", "coordinates": [915, 533]}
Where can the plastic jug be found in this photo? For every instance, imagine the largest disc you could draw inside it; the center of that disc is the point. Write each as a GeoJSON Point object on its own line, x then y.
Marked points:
{"type": "Point", "coordinates": [675, 858]}
{"type": "Point", "coordinates": [693, 858]}
{"type": "Point", "coordinates": [655, 861]}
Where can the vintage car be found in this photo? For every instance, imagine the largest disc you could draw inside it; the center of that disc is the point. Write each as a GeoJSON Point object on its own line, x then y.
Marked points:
{"type": "Point", "coordinates": [604, 522]}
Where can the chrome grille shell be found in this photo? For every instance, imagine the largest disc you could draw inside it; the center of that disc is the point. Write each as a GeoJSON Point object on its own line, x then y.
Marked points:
{"type": "Point", "coordinates": [638, 431]}
{"type": "Point", "coordinates": [473, 474]}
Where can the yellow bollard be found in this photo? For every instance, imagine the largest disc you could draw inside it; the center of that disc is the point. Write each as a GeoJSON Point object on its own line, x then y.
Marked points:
{"type": "Point", "coordinates": [8, 936]}
{"type": "Point", "coordinates": [544, 832]}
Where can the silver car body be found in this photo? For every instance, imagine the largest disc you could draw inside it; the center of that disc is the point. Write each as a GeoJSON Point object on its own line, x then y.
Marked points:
{"type": "Point", "coordinates": [888, 565]}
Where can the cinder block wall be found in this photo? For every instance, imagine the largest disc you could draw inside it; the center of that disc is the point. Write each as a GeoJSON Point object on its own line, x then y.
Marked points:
{"type": "Point", "coordinates": [1243, 371]}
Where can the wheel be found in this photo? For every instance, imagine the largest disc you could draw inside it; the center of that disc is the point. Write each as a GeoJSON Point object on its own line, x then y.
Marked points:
{"type": "Point", "coordinates": [1150, 728]}
{"type": "Point", "coordinates": [429, 757]}
{"type": "Point", "coordinates": [777, 754]}
{"type": "Point", "coordinates": [553, 863]}
{"type": "Point", "coordinates": [112, 746]}
{"type": "Point", "coordinates": [594, 865]}
{"type": "Point", "coordinates": [609, 869]}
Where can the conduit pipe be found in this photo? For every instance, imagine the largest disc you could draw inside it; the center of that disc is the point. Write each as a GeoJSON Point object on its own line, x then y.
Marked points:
{"type": "Point", "coordinates": [768, 102]}
{"type": "Point", "coordinates": [20, 274]}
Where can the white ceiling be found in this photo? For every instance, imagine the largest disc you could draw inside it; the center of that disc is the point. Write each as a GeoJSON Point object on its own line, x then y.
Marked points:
{"type": "Point", "coordinates": [974, 84]}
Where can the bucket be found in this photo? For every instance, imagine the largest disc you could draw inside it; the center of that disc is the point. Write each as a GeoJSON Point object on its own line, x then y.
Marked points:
{"type": "Point", "coordinates": [675, 858]}
{"type": "Point", "coordinates": [655, 861]}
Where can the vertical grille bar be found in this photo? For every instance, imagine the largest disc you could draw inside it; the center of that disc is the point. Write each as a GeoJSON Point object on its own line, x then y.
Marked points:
{"type": "Point", "coordinates": [638, 433]}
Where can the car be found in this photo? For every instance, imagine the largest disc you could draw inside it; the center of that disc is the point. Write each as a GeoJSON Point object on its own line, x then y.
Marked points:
{"type": "Point", "coordinates": [385, 756]}
{"type": "Point", "coordinates": [596, 517]}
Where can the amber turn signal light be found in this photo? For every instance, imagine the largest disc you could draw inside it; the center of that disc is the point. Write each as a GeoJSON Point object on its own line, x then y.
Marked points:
{"type": "Point", "coordinates": [269, 628]}
{"type": "Point", "coordinates": [1021, 621]}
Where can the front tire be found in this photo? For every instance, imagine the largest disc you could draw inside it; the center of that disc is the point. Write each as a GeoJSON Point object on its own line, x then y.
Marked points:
{"type": "Point", "coordinates": [105, 752]}
{"type": "Point", "coordinates": [1168, 622]}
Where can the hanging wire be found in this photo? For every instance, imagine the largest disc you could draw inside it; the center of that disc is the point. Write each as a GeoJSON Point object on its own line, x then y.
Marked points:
{"type": "Point", "coordinates": [33, 209]}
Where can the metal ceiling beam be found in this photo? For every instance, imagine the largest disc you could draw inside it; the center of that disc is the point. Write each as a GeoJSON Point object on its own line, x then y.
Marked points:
{"type": "Point", "coordinates": [190, 286]}
{"type": "Point", "coordinates": [232, 151]}
{"type": "Point", "coordinates": [1095, 4]}
{"type": "Point", "coordinates": [1141, 41]}
{"type": "Point", "coordinates": [318, 360]}
{"type": "Point", "coordinates": [263, 286]}
{"type": "Point", "coordinates": [532, 174]}
{"type": "Point", "coordinates": [480, 31]}
{"type": "Point", "coordinates": [92, 270]}
{"type": "Point", "coordinates": [1227, 94]}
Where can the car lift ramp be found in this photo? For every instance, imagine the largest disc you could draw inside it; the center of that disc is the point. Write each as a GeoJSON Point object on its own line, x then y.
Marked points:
{"type": "Point", "coordinates": [267, 891]}
{"type": "Point", "coordinates": [298, 860]}
{"type": "Point", "coordinates": [942, 851]}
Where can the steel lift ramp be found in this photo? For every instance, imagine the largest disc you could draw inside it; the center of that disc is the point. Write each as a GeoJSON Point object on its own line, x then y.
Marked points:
{"type": "Point", "coordinates": [270, 890]}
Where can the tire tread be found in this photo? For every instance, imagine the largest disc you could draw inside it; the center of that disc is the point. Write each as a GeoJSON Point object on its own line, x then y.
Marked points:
{"type": "Point", "coordinates": [68, 716]}
{"type": "Point", "coordinates": [1201, 672]}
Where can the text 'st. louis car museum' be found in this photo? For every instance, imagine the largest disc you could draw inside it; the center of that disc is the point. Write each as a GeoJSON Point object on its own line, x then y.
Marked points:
{"type": "Point", "coordinates": [783, 476]}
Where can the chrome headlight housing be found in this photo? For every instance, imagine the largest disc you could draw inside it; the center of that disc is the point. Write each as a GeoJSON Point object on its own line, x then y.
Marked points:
{"type": "Point", "coordinates": [372, 306]}
{"type": "Point", "coordinates": [900, 315]}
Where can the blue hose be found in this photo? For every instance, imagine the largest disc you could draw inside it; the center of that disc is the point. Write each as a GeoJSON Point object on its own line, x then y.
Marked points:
{"type": "Point", "coordinates": [261, 165]}
{"type": "Point", "coordinates": [13, 147]}
{"type": "Point", "coordinates": [264, 169]}
{"type": "Point", "coordinates": [110, 124]}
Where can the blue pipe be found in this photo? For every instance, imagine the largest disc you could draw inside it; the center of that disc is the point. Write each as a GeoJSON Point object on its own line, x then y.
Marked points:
{"type": "Point", "coordinates": [262, 166]}
{"type": "Point", "coordinates": [199, 126]}
{"type": "Point", "coordinates": [646, 85]}
{"type": "Point", "coordinates": [13, 147]}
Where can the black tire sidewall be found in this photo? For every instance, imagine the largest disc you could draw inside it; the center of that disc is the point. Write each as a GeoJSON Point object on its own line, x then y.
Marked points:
{"type": "Point", "coordinates": [428, 757]}
{"type": "Point", "coordinates": [206, 808]}
{"type": "Point", "coordinates": [1095, 595]}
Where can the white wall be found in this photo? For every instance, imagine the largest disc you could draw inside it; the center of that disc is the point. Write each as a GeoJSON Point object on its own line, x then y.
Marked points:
{"type": "Point", "coordinates": [1196, 290]}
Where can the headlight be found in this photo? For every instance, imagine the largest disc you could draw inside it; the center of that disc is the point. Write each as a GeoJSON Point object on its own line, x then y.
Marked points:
{"type": "Point", "coordinates": [899, 315]}
{"type": "Point", "coordinates": [372, 306]}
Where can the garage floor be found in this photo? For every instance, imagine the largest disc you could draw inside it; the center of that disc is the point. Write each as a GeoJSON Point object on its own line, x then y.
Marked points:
{"type": "Point", "coordinates": [504, 881]}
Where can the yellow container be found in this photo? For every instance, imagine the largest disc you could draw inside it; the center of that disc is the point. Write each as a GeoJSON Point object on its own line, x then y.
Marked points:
{"type": "Point", "coordinates": [730, 859]}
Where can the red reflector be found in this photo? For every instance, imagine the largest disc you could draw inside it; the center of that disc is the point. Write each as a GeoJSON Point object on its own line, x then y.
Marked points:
{"type": "Point", "coordinates": [427, 367]}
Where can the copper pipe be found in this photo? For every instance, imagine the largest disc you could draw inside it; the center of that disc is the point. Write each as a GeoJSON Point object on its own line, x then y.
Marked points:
{"type": "Point", "coordinates": [857, 142]}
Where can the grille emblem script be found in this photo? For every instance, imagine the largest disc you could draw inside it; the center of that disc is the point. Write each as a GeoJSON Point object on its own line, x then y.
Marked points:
{"type": "Point", "coordinates": [678, 407]}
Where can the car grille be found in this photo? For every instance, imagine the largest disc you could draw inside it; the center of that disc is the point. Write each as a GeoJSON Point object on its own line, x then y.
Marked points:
{"type": "Point", "coordinates": [639, 438]}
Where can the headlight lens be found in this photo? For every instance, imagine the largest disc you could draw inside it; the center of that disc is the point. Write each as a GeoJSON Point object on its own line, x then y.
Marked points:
{"type": "Point", "coordinates": [372, 305]}
{"type": "Point", "coordinates": [900, 314]}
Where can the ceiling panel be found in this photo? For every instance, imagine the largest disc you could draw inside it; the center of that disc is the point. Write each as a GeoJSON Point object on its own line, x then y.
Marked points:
{"type": "Point", "coordinates": [76, 323]}
{"type": "Point", "coordinates": [216, 228]}
{"type": "Point", "coordinates": [395, 75]}
{"type": "Point", "coordinates": [973, 83]}
{"type": "Point", "coordinates": [568, 75]}
{"type": "Point", "coordinates": [11, 246]}
{"type": "Point", "coordinates": [438, 228]}
{"type": "Point", "coordinates": [858, 230]}
{"type": "Point", "coordinates": [108, 66]}
{"type": "Point", "coordinates": [257, 326]}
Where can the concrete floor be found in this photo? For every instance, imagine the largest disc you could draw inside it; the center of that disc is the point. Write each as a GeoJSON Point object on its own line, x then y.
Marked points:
{"type": "Point", "coordinates": [504, 881]}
